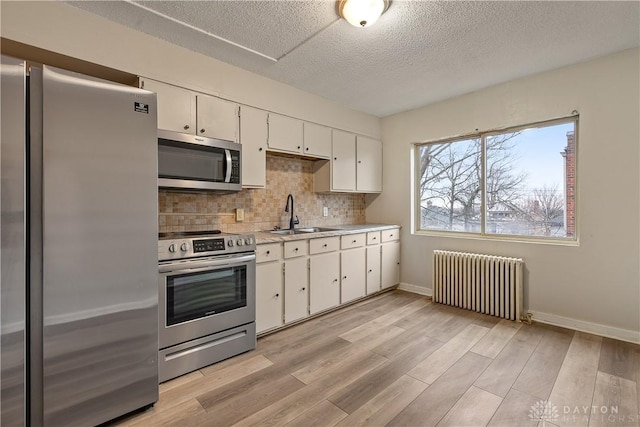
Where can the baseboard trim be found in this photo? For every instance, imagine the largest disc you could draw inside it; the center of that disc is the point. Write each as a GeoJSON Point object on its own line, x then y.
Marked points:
{"type": "Point", "coordinates": [592, 328]}
{"type": "Point", "coordinates": [415, 289]}
{"type": "Point", "coordinates": [555, 320]}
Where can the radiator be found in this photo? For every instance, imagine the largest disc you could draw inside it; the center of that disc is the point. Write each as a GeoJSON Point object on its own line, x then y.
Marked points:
{"type": "Point", "coordinates": [483, 283]}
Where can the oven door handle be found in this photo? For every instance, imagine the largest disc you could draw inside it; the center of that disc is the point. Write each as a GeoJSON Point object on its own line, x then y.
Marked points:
{"type": "Point", "coordinates": [207, 264]}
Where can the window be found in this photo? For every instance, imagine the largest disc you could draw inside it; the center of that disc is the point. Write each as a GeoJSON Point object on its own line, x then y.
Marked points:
{"type": "Point", "coordinates": [515, 182]}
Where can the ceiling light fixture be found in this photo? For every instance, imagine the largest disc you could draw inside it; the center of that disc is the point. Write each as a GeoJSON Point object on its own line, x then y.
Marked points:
{"type": "Point", "coordinates": [362, 13]}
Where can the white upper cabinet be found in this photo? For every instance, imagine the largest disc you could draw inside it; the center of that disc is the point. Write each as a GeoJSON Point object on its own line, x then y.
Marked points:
{"type": "Point", "coordinates": [368, 165]}
{"type": "Point", "coordinates": [182, 110]}
{"type": "Point", "coordinates": [317, 140]}
{"type": "Point", "coordinates": [343, 161]}
{"type": "Point", "coordinates": [253, 137]}
{"type": "Point", "coordinates": [217, 118]}
{"type": "Point", "coordinates": [285, 134]}
{"type": "Point", "coordinates": [355, 165]}
{"type": "Point", "coordinates": [176, 106]}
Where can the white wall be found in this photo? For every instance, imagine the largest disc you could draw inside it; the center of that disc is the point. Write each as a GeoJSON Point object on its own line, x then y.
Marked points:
{"type": "Point", "coordinates": [71, 31]}
{"type": "Point", "coordinates": [596, 282]}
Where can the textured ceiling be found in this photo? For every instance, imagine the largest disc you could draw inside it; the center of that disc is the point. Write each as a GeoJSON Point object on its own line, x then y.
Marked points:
{"type": "Point", "coordinates": [418, 52]}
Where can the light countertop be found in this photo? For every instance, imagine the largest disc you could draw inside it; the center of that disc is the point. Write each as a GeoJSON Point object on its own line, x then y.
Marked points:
{"type": "Point", "coordinates": [339, 230]}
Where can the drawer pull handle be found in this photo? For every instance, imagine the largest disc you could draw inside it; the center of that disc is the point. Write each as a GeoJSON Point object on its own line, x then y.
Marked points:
{"type": "Point", "coordinates": [303, 289]}
{"type": "Point", "coordinates": [335, 280]}
{"type": "Point", "coordinates": [268, 252]}
{"type": "Point", "coordinates": [354, 241]}
{"type": "Point", "coordinates": [324, 246]}
{"type": "Point", "coordinates": [186, 127]}
{"type": "Point", "coordinates": [277, 295]}
{"type": "Point", "coordinates": [344, 277]}
{"type": "Point", "coordinates": [375, 238]}
{"type": "Point", "coordinates": [370, 271]}
{"type": "Point", "coordinates": [296, 249]}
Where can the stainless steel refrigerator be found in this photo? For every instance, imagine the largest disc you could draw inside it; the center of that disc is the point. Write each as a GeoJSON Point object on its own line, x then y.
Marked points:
{"type": "Point", "coordinates": [79, 278]}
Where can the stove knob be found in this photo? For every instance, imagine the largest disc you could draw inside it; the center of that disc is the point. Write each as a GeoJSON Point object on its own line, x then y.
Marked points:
{"type": "Point", "coordinates": [230, 243]}
{"type": "Point", "coordinates": [172, 247]}
{"type": "Point", "coordinates": [184, 247]}
{"type": "Point", "coordinates": [248, 241]}
{"type": "Point", "coordinates": [239, 242]}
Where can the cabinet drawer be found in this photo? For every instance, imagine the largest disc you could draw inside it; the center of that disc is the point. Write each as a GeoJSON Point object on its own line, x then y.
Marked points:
{"type": "Point", "coordinates": [295, 248]}
{"type": "Point", "coordinates": [373, 238]}
{"type": "Point", "coordinates": [390, 235]}
{"type": "Point", "coordinates": [325, 244]}
{"type": "Point", "coordinates": [353, 241]}
{"type": "Point", "coordinates": [268, 252]}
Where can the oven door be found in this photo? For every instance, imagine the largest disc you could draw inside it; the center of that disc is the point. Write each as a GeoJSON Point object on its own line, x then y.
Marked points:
{"type": "Point", "coordinates": [205, 296]}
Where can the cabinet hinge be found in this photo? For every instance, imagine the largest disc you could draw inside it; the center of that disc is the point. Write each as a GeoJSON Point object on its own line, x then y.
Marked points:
{"type": "Point", "coordinates": [283, 268]}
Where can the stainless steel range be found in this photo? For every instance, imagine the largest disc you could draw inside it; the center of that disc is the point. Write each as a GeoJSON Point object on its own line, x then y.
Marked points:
{"type": "Point", "coordinates": [206, 299]}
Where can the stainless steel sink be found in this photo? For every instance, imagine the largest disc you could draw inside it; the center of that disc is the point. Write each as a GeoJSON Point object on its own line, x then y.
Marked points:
{"type": "Point", "coordinates": [303, 230]}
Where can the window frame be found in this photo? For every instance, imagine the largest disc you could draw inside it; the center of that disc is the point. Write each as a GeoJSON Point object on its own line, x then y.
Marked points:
{"type": "Point", "coordinates": [483, 235]}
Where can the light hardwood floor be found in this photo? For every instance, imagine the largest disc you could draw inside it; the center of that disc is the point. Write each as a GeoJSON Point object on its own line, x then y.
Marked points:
{"type": "Point", "coordinates": [400, 360]}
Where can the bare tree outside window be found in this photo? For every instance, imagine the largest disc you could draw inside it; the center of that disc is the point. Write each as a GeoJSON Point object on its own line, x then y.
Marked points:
{"type": "Point", "coordinates": [524, 179]}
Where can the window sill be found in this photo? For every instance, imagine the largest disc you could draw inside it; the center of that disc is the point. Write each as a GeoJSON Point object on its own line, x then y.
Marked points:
{"type": "Point", "coordinates": [497, 238]}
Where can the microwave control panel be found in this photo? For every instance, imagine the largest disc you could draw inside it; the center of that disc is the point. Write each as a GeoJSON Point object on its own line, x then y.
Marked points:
{"type": "Point", "coordinates": [235, 167]}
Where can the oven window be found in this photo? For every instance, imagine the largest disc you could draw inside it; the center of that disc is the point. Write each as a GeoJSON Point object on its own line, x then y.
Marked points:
{"type": "Point", "coordinates": [195, 295]}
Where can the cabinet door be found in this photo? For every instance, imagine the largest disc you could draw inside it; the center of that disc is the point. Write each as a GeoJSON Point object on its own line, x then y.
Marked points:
{"type": "Point", "coordinates": [296, 289]}
{"type": "Point", "coordinates": [324, 286]}
{"type": "Point", "coordinates": [317, 140]}
{"type": "Point", "coordinates": [373, 269]}
{"type": "Point", "coordinates": [217, 118]}
{"type": "Point", "coordinates": [285, 133]}
{"type": "Point", "coordinates": [368, 165]}
{"type": "Point", "coordinates": [343, 161]}
{"type": "Point", "coordinates": [352, 274]}
{"type": "Point", "coordinates": [269, 295]}
{"type": "Point", "coordinates": [253, 137]}
{"type": "Point", "coordinates": [390, 264]}
{"type": "Point", "coordinates": [176, 106]}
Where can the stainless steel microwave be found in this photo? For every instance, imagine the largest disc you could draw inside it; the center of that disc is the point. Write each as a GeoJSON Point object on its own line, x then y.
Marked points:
{"type": "Point", "coordinates": [196, 163]}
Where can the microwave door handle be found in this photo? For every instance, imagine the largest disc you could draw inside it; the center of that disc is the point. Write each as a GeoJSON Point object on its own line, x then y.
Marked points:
{"type": "Point", "coordinates": [227, 153]}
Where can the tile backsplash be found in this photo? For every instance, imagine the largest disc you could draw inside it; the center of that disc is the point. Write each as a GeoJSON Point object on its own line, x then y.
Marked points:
{"type": "Point", "coordinates": [263, 208]}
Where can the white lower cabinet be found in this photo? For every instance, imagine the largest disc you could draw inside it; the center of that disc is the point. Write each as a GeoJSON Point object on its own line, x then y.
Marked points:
{"type": "Point", "coordinates": [296, 289]}
{"type": "Point", "coordinates": [269, 287]}
{"type": "Point", "coordinates": [322, 273]}
{"type": "Point", "coordinates": [324, 289]}
{"type": "Point", "coordinates": [269, 296]}
{"type": "Point", "coordinates": [352, 272]}
{"type": "Point", "coordinates": [390, 264]}
{"type": "Point", "coordinates": [373, 269]}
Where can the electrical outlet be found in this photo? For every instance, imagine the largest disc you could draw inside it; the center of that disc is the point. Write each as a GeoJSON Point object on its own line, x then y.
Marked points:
{"type": "Point", "coordinates": [239, 215]}
{"type": "Point", "coordinates": [325, 211]}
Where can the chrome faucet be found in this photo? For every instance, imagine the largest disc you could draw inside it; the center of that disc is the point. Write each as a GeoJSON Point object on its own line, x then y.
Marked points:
{"type": "Point", "coordinates": [292, 222]}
